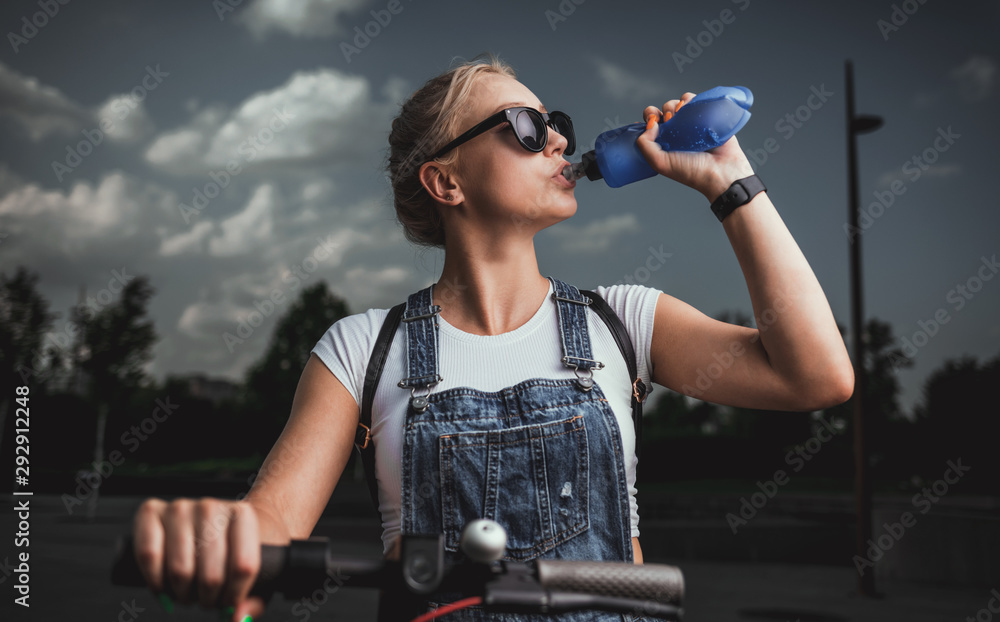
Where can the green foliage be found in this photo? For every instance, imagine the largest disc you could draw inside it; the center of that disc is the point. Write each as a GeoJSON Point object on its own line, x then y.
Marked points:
{"type": "Point", "coordinates": [24, 320]}
{"type": "Point", "coordinates": [885, 423]}
{"type": "Point", "coordinates": [676, 416]}
{"type": "Point", "coordinates": [271, 382]}
{"type": "Point", "coordinates": [958, 418]}
{"type": "Point", "coordinates": [114, 343]}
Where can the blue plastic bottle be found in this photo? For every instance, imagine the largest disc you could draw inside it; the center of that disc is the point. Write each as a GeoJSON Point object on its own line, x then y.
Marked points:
{"type": "Point", "coordinates": [707, 121]}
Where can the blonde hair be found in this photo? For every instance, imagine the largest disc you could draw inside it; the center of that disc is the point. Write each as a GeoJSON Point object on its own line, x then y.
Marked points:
{"type": "Point", "coordinates": [427, 121]}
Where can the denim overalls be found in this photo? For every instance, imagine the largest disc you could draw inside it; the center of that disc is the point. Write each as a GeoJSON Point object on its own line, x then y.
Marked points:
{"type": "Point", "coordinates": [543, 458]}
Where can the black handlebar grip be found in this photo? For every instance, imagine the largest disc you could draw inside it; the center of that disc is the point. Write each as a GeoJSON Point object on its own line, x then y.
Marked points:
{"type": "Point", "coordinates": [298, 567]}
{"type": "Point", "coordinates": [656, 582]}
{"type": "Point", "coordinates": [124, 570]}
{"type": "Point", "coordinates": [273, 561]}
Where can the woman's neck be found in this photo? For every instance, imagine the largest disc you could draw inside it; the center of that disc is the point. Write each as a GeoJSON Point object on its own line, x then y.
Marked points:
{"type": "Point", "coordinates": [490, 286]}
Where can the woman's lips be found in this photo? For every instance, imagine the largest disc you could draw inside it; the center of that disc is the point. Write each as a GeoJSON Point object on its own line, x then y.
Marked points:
{"type": "Point", "coordinates": [561, 178]}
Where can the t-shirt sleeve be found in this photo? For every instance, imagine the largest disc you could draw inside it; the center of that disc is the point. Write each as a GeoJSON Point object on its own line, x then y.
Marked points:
{"type": "Point", "coordinates": [636, 306]}
{"type": "Point", "coordinates": [347, 345]}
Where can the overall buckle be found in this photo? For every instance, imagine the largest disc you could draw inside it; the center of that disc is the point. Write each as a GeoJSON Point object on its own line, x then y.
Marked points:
{"type": "Point", "coordinates": [639, 391]}
{"type": "Point", "coordinates": [362, 444]}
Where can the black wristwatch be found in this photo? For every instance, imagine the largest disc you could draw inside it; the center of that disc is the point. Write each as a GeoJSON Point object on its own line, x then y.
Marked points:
{"type": "Point", "coordinates": [740, 193]}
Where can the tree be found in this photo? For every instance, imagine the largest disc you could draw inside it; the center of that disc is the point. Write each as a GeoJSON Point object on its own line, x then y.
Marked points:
{"type": "Point", "coordinates": [114, 343]}
{"type": "Point", "coordinates": [887, 429]}
{"type": "Point", "coordinates": [112, 346]}
{"type": "Point", "coordinates": [271, 382]}
{"type": "Point", "coordinates": [673, 416]}
{"type": "Point", "coordinates": [957, 420]}
{"type": "Point", "coordinates": [24, 320]}
{"type": "Point", "coordinates": [769, 430]}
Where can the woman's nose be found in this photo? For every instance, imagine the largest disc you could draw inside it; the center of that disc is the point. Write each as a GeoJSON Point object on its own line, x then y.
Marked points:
{"type": "Point", "coordinates": [556, 142]}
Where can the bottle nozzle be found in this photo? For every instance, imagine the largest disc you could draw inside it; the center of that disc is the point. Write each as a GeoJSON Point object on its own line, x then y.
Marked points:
{"type": "Point", "coordinates": [575, 171]}
{"type": "Point", "coordinates": [587, 167]}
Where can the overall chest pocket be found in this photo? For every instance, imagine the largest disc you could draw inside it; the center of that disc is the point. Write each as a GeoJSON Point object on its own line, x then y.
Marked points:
{"type": "Point", "coordinates": [532, 479]}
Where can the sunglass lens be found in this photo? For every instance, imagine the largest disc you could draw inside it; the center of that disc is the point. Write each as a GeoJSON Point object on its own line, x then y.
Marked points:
{"type": "Point", "coordinates": [531, 130]}
{"type": "Point", "coordinates": [564, 125]}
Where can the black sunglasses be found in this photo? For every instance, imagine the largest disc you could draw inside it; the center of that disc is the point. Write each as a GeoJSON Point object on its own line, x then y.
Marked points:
{"type": "Point", "coordinates": [529, 125]}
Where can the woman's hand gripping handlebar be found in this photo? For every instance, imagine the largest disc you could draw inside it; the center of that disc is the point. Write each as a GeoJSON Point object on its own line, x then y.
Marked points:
{"type": "Point", "coordinates": [538, 586]}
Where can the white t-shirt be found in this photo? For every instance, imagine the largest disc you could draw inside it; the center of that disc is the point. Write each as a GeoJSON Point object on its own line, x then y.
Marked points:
{"type": "Point", "coordinates": [488, 363]}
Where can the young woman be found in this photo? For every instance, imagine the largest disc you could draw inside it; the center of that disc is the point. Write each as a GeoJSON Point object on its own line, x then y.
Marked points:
{"type": "Point", "coordinates": [503, 395]}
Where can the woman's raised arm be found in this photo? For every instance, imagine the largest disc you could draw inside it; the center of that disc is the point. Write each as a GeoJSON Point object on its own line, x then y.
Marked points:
{"type": "Point", "coordinates": [795, 359]}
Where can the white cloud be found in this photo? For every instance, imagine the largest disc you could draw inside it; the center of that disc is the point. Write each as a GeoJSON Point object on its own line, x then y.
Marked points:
{"type": "Point", "coordinates": [939, 171]}
{"type": "Point", "coordinates": [367, 283]}
{"type": "Point", "coordinates": [250, 229]}
{"type": "Point", "coordinates": [975, 77]}
{"type": "Point", "coordinates": [269, 222]}
{"type": "Point", "coordinates": [298, 18]}
{"type": "Point", "coordinates": [317, 117]}
{"type": "Point", "coordinates": [306, 259]}
{"type": "Point", "coordinates": [396, 90]}
{"type": "Point", "coordinates": [197, 318]}
{"type": "Point", "coordinates": [84, 218]}
{"type": "Point", "coordinates": [943, 171]}
{"type": "Point", "coordinates": [126, 118]}
{"type": "Point", "coordinates": [42, 110]}
{"type": "Point", "coordinates": [621, 84]}
{"type": "Point", "coordinates": [598, 235]}
{"type": "Point", "coordinates": [188, 242]}
{"type": "Point", "coordinates": [182, 151]}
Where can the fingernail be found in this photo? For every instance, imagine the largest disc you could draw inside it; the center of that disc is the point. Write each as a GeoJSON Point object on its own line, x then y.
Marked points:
{"type": "Point", "coordinates": [651, 123]}
{"type": "Point", "coordinates": [226, 613]}
{"type": "Point", "coordinates": [165, 602]}
{"type": "Point", "coordinates": [247, 619]}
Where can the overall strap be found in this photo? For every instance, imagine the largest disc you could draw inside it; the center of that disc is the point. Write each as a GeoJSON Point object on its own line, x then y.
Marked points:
{"type": "Point", "coordinates": [363, 436]}
{"type": "Point", "coordinates": [617, 328]}
{"type": "Point", "coordinates": [572, 313]}
{"type": "Point", "coordinates": [421, 319]}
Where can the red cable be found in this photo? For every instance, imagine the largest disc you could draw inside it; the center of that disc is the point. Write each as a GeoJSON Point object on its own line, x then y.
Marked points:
{"type": "Point", "coordinates": [449, 608]}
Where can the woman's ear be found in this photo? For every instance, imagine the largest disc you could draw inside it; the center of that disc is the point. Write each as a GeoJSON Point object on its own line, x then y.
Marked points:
{"type": "Point", "coordinates": [440, 184]}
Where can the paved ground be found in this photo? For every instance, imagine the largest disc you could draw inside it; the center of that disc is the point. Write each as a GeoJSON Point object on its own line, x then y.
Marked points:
{"type": "Point", "coordinates": [70, 561]}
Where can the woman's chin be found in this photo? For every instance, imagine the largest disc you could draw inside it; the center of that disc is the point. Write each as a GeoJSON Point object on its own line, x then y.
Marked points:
{"type": "Point", "coordinates": [570, 210]}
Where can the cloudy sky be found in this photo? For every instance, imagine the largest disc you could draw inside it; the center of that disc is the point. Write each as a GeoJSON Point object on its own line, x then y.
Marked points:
{"type": "Point", "coordinates": [233, 149]}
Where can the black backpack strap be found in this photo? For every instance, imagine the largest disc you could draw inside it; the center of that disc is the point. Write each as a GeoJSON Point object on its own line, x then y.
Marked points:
{"type": "Point", "coordinates": [639, 390]}
{"type": "Point", "coordinates": [363, 436]}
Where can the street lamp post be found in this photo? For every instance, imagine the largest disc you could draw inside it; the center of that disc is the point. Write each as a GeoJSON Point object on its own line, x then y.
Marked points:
{"type": "Point", "coordinates": [858, 124]}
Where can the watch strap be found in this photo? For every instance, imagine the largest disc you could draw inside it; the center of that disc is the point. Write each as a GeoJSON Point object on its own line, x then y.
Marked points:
{"type": "Point", "coordinates": [741, 192]}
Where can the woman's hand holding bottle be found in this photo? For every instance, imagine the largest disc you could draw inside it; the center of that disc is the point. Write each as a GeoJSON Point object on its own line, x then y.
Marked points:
{"type": "Point", "coordinates": [709, 172]}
